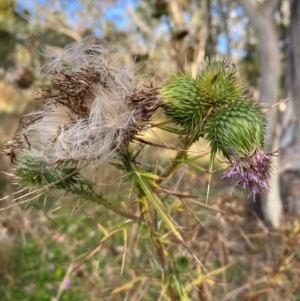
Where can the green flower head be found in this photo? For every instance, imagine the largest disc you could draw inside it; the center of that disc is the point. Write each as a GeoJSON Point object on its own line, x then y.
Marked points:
{"type": "Point", "coordinates": [238, 125]}
{"type": "Point", "coordinates": [182, 102]}
{"type": "Point", "coordinates": [218, 82]}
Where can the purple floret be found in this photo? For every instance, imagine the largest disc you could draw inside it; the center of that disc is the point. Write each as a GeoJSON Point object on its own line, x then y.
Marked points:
{"type": "Point", "coordinates": [251, 171]}
{"type": "Point", "coordinates": [67, 282]}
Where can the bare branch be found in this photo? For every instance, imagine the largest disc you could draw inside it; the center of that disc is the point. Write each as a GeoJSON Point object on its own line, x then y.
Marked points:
{"type": "Point", "coordinates": [224, 21]}
{"type": "Point", "coordinates": [253, 7]}
{"type": "Point", "coordinates": [176, 12]}
{"type": "Point", "coordinates": [55, 24]}
{"type": "Point", "coordinates": [140, 23]}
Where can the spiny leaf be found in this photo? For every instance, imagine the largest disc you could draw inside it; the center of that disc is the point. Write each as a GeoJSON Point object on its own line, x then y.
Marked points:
{"type": "Point", "coordinates": [156, 203]}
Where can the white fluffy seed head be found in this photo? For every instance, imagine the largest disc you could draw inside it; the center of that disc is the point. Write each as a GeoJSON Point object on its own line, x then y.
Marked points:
{"type": "Point", "coordinates": [92, 108]}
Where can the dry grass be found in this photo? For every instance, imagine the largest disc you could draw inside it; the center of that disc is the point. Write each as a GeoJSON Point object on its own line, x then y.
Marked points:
{"type": "Point", "coordinates": [243, 259]}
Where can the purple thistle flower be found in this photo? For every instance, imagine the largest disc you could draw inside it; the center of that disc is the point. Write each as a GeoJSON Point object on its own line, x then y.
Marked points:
{"type": "Point", "coordinates": [251, 171]}
{"type": "Point", "coordinates": [67, 282]}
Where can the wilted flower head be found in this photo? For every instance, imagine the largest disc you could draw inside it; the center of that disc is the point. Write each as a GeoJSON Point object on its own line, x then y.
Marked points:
{"type": "Point", "coordinates": [251, 171]}
{"type": "Point", "coordinates": [92, 108]}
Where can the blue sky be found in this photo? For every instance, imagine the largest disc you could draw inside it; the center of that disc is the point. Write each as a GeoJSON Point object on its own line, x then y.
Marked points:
{"type": "Point", "coordinates": [113, 12]}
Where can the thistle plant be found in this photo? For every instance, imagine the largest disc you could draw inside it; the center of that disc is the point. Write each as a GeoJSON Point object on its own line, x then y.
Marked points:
{"type": "Point", "coordinates": [94, 112]}
{"type": "Point", "coordinates": [218, 109]}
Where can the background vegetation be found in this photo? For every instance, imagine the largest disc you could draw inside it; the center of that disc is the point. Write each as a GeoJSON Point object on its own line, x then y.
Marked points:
{"type": "Point", "coordinates": [67, 248]}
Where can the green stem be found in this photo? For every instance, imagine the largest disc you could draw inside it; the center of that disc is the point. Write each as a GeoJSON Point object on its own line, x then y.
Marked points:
{"type": "Point", "coordinates": [96, 198]}
{"type": "Point", "coordinates": [176, 161]}
{"type": "Point", "coordinates": [186, 144]}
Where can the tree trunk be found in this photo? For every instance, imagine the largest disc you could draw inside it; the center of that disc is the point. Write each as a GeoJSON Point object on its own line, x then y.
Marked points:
{"type": "Point", "coordinates": [260, 15]}
{"type": "Point", "coordinates": [290, 163]}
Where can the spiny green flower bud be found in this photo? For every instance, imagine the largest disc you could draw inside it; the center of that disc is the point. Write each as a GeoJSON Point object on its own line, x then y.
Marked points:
{"type": "Point", "coordinates": [218, 83]}
{"type": "Point", "coordinates": [179, 266]}
{"type": "Point", "coordinates": [182, 263]}
{"type": "Point", "coordinates": [238, 126]}
{"type": "Point", "coordinates": [182, 102]}
{"type": "Point", "coordinates": [34, 173]}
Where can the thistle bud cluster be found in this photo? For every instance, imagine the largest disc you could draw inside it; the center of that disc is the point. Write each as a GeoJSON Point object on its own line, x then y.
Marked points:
{"type": "Point", "coordinates": [215, 106]}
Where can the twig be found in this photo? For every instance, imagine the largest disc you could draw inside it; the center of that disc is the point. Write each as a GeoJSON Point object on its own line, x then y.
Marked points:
{"type": "Point", "coordinates": [140, 23]}
{"type": "Point", "coordinates": [243, 289]}
{"type": "Point", "coordinates": [285, 254]}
